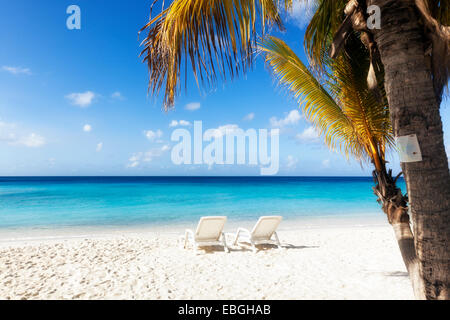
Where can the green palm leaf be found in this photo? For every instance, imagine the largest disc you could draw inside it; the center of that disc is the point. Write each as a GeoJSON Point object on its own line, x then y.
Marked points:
{"type": "Point", "coordinates": [212, 37]}
{"type": "Point", "coordinates": [341, 108]}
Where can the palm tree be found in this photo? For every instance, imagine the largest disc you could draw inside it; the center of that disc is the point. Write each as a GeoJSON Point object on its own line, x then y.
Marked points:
{"type": "Point", "coordinates": [414, 47]}
{"type": "Point", "coordinates": [217, 38]}
{"type": "Point", "coordinates": [353, 119]}
{"type": "Point", "coordinates": [414, 91]}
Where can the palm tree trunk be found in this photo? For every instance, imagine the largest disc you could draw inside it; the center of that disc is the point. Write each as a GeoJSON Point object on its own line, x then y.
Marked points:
{"type": "Point", "coordinates": [405, 241]}
{"type": "Point", "coordinates": [414, 109]}
{"type": "Point", "coordinates": [395, 205]}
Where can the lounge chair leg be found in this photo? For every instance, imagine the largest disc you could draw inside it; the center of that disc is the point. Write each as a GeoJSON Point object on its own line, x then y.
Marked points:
{"type": "Point", "coordinates": [189, 238]}
{"type": "Point", "coordinates": [254, 249]}
{"type": "Point", "coordinates": [277, 240]}
{"type": "Point", "coordinates": [224, 240]}
{"type": "Point", "coordinates": [235, 242]}
{"type": "Point", "coordinates": [181, 242]}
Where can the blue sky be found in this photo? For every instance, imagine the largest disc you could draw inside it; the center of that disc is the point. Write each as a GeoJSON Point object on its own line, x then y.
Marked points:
{"type": "Point", "coordinates": [74, 102]}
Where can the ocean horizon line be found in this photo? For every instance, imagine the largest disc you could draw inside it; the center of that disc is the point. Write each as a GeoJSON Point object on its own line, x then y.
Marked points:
{"type": "Point", "coordinates": [175, 176]}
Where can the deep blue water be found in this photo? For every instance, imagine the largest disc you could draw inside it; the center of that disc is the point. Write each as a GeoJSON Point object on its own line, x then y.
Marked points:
{"type": "Point", "coordinates": [119, 201]}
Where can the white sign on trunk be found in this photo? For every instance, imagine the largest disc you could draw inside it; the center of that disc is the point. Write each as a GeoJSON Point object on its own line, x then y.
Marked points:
{"type": "Point", "coordinates": [408, 148]}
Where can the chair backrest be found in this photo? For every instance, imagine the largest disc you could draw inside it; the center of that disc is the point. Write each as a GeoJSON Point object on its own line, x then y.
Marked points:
{"type": "Point", "coordinates": [265, 227]}
{"type": "Point", "coordinates": [210, 228]}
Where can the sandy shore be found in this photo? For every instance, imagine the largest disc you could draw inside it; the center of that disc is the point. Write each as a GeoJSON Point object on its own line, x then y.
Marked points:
{"type": "Point", "coordinates": [345, 262]}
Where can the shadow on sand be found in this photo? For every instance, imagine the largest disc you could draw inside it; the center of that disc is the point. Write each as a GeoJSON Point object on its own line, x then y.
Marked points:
{"type": "Point", "coordinates": [246, 247]}
{"type": "Point", "coordinates": [396, 274]}
{"type": "Point", "coordinates": [291, 246]}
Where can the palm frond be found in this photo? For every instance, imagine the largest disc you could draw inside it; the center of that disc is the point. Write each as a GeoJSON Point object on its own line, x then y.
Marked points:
{"type": "Point", "coordinates": [440, 10]}
{"type": "Point", "coordinates": [317, 103]}
{"type": "Point", "coordinates": [319, 33]}
{"type": "Point", "coordinates": [329, 18]}
{"type": "Point", "coordinates": [212, 37]}
{"type": "Point", "coordinates": [436, 22]}
{"type": "Point", "coordinates": [342, 108]}
{"type": "Point", "coordinates": [369, 115]}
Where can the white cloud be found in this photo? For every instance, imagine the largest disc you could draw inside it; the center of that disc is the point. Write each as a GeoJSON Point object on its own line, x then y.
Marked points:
{"type": "Point", "coordinates": [87, 128]}
{"type": "Point", "coordinates": [176, 123]}
{"type": "Point", "coordinates": [99, 147]}
{"type": "Point", "coordinates": [17, 70]}
{"type": "Point", "coordinates": [302, 12]}
{"type": "Point", "coordinates": [7, 132]}
{"type": "Point", "coordinates": [291, 162]}
{"type": "Point", "coordinates": [291, 119]}
{"type": "Point", "coordinates": [13, 135]}
{"type": "Point", "coordinates": [82, 100]}
{"type": "Point", "coordinates": [326, 163]}
{"type": "Point", "coordinates": [137, 158]}
{"type": "Point", "coordinates": [152, 135]}
{"type": "Point", "coordinates": [155, 153]}
{"type": "Point", "coordinates": [117, 95]}
{"type": "Point", "coordinates": [193, 106]}
{"type": "Point", "coordinates": [249, 117]}
{"type": "Point", "coordinates": [308, 135]}
{"type": "Point", "coordinates": [226, 130]}
{"type": "Point", "coordinates": [184, 123]}
{"type": "Point", "coordinates": [164, 148]}
{"type": "Point", "coordinates": [33, 140]}
{"type": "Point", "coordinates": [134, 160]}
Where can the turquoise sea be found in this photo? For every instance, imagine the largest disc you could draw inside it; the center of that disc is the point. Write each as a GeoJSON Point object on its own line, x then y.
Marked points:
{"type": "Point", "coordinates": [50, 202]}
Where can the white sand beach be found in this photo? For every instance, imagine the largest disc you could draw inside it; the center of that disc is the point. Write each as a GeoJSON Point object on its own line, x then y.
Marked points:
{"type": "Point", "coordinates": [320, 262]}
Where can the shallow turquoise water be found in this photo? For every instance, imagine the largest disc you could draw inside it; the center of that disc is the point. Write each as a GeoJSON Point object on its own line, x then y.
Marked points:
{"type": "Point", "coordinates": [134, 201]}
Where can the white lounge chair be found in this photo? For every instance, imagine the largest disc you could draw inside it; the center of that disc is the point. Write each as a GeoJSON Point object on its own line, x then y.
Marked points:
{"type": "Point", "coordinates": [209, 233]}
{"type": "Point", "coordinates": [261, 233]}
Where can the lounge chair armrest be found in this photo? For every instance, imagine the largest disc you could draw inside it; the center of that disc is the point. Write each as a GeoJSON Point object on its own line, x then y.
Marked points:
{"type": "Point", "coordinates": [188, 234]}
{"type": "Point", "coordinates": [224, 241]}
{"type": "Point", "coordinates": [239, 232]}
{"type": "Point", "coordinates": [243, 230]}
{"type": "Point", "coordinates": [277, 240]}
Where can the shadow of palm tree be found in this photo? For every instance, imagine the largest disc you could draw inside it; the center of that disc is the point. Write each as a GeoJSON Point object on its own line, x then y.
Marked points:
{"type": "Point", "coordinates": [291, 246]}
{"type": "Point", "coordinates": [244, 246]}
{"type": "Point", "coordinates": [396, 274]}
